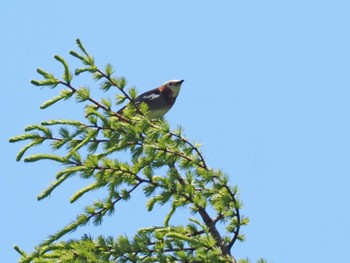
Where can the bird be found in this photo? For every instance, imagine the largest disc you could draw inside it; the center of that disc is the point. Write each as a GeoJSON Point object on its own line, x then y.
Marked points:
{"type": "Point", "coordinates": [159, 100]}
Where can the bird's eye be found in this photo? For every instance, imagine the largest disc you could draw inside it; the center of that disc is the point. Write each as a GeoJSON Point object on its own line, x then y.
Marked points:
{"type": "Point", "coordinates": [170, 84]}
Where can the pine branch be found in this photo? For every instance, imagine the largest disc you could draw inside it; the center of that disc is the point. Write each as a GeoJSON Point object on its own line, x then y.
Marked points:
{"type": "Point", "coordinates": [91, 152]}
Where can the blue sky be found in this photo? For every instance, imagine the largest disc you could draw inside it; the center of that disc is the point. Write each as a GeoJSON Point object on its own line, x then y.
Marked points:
{"type": "Point", "coordinates": [266, 91]}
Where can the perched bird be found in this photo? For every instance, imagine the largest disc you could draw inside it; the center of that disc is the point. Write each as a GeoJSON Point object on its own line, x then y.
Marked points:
{"type": "Point", "coordinates": [159, 100]}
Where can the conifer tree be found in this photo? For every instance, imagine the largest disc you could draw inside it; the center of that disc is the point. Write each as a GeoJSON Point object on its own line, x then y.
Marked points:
{"type": "Point", "coordinates": [163, 163]}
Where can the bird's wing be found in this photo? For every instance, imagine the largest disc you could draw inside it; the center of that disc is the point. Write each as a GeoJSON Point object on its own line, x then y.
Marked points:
{"type": "Point", "coordinates": [144, 97]}
{"type": "Point", "coordinates": [148, 96]}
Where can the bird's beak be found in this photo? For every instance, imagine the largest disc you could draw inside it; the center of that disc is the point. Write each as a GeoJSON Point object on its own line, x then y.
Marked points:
{"type": "Point", "coordinates": [180, 81]}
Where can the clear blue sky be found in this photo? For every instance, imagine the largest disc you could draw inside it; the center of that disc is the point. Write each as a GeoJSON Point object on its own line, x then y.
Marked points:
{"type": "Point", "coordinates": [266, 91]}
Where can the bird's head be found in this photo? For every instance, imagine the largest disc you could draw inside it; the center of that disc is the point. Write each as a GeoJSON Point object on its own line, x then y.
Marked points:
{"type": "Point", "coordinates": [172, 87]}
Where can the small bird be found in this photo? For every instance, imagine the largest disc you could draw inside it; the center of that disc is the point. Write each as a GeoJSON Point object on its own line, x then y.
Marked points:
{"type": "Point", "coordinates": [159, 100]}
